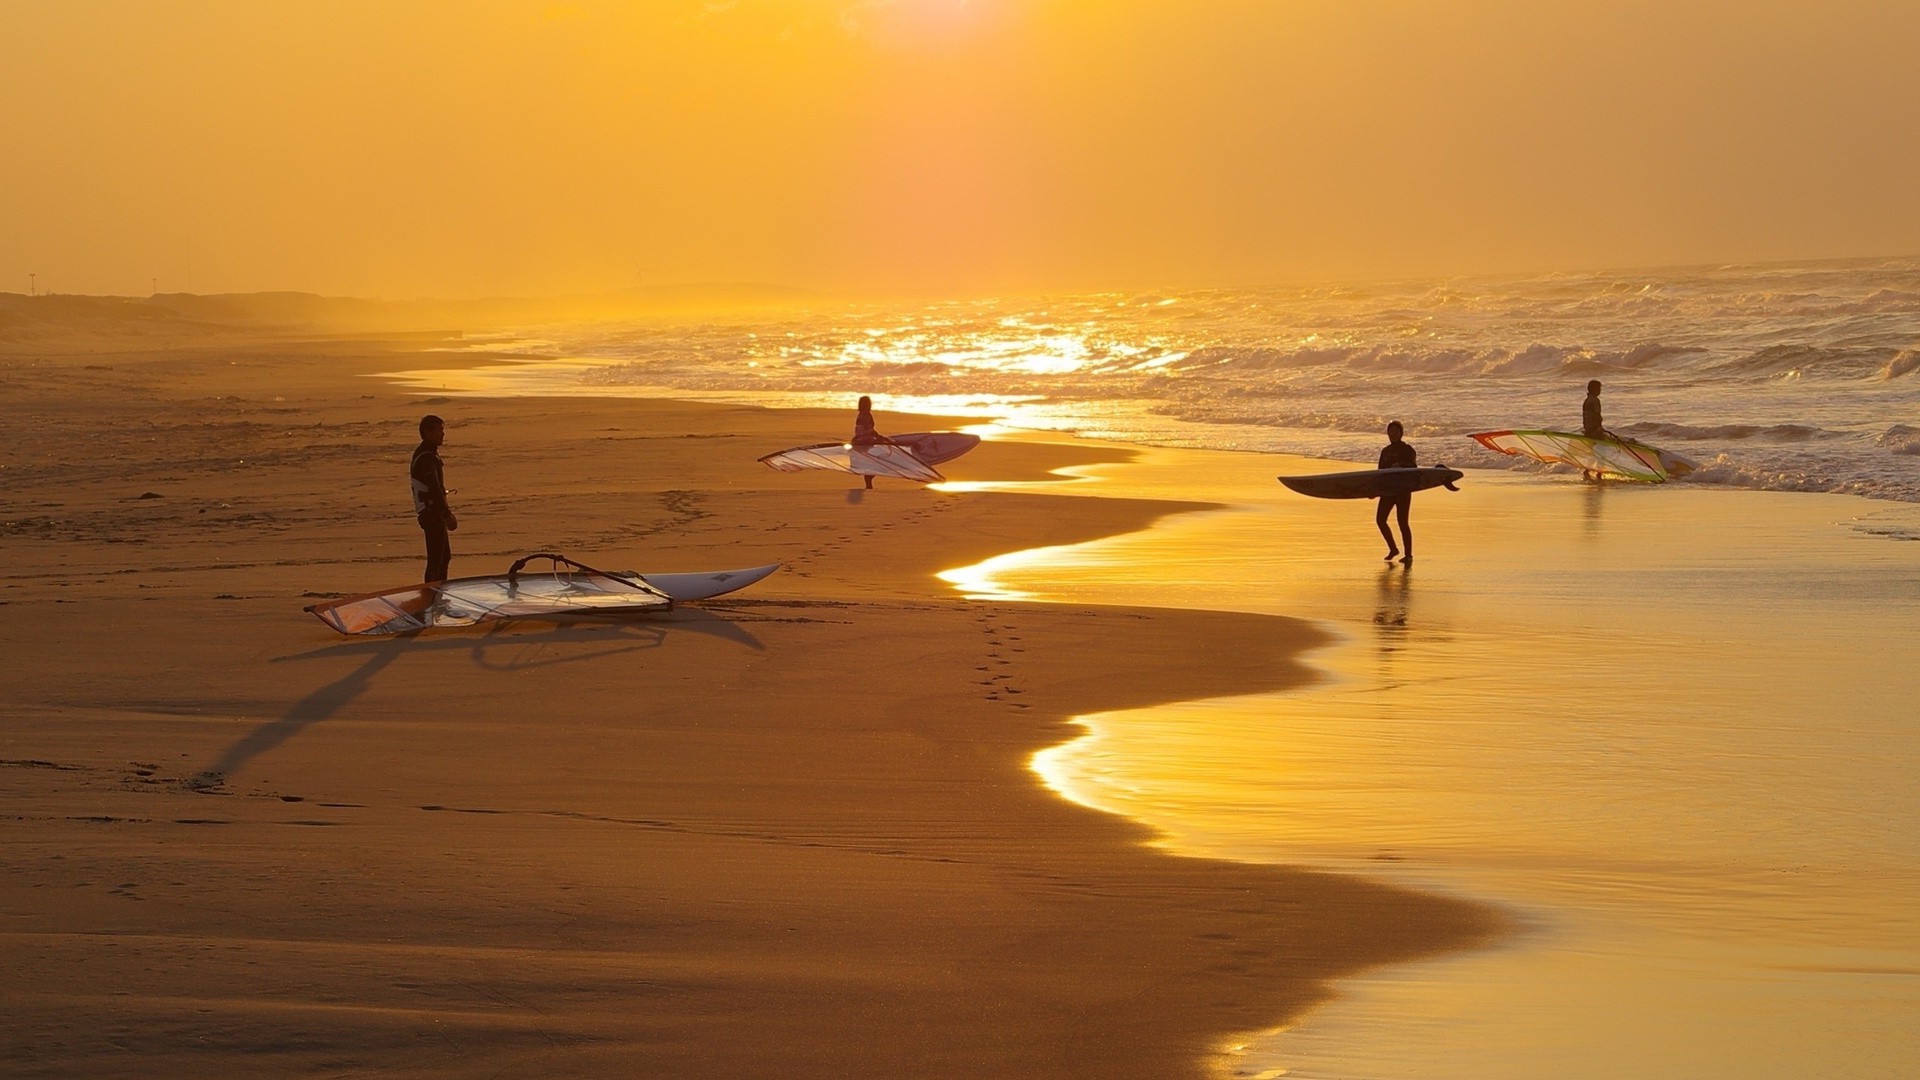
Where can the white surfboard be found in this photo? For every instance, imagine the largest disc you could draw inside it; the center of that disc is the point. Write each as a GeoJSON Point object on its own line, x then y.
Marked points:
{"type": "Point", "coordinates": [705, 586]}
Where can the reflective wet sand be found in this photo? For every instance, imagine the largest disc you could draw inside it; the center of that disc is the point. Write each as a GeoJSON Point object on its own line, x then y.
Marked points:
{"type": "Point", "coordinates": [1672, 730]}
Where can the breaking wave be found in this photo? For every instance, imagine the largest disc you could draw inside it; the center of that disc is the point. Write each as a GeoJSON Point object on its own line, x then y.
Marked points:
{"type": "Point", "coordinates": [1906, 363]}
{"type": "Point", "coordinates": [1731, 432]}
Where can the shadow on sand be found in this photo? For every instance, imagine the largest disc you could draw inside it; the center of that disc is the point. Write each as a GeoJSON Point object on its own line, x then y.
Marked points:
{"type": "Point", "coordinates": [494, 650]}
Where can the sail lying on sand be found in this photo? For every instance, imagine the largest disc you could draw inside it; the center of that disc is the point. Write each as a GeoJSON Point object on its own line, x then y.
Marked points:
{"type": "Point", "coordinates": [880, 459]}
{"type": "Point", "coordinates": [1622, 459]}
{"type": "Point", "coordinates": [569, 589]}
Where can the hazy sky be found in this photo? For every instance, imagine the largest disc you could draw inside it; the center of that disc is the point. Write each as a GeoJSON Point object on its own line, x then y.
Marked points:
{"type": "Point", "coordinates": [468, 147]}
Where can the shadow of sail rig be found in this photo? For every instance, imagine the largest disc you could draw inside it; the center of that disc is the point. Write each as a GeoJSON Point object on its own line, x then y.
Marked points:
{"type": "Point", "coordinates": [568, 589]}
{"type": "Point", "coordinates": [1620, 459]}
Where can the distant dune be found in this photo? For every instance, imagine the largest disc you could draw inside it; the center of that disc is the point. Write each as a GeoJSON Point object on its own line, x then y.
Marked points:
{"type": "Point", "coordinates": [26, 319]}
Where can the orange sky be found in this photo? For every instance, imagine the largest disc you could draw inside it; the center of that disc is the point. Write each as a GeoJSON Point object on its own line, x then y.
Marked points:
{"type": "Point", "coordinates": [464, 147]}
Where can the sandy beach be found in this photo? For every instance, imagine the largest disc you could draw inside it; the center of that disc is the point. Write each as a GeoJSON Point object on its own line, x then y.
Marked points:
{"type": "Point", "coordinates": [1101, 755]}
{"type": "Point", "coordinates": [793, 832]}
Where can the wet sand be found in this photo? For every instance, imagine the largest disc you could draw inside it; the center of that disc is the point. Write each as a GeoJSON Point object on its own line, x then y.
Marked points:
{"type": "Point", "coordinates": [790, 833]}
{"type": "Point", "coordinates": [1671, 730]}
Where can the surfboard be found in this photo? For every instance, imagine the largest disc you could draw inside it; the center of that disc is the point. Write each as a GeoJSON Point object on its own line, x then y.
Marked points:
{"type": "Point", "coordinates": [705, 586]}
{"type": "Point", "coordinates": [934, 447]}
{"type": "Point", "coordinates": [1372, 483]}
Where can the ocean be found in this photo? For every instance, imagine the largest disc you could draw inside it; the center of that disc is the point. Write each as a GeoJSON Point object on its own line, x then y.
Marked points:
{"type": "Point", "coordinates": [1792, 378]}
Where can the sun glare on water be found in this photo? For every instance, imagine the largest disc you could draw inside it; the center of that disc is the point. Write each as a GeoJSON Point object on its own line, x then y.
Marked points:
{"type": "Point", "coordinates": [1037, 354]}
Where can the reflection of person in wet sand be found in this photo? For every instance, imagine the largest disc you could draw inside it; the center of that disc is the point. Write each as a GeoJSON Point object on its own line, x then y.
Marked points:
{"type": "Point", "coordinates": [863, 432]}
{"type": "Point", "coordinates": [1397, 454]}
{"type": "Point", "coordinates": [1395, 592]}
{"type": "Point", "coordinates": [430, 507]}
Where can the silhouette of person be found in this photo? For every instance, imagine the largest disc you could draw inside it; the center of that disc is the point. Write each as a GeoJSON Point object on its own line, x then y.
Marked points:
{"type": "Point", "coordinates": [863, 431]}
{"type": "Point", "coordinates": [430, 507]}
{"type": "Point", "coordinates": [1397, 454]}
{"type": "Point", "coordinates": [1590, 423]}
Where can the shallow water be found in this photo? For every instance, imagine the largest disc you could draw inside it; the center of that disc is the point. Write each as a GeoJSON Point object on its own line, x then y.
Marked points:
{"type": "Point", "coordinates": [1674, 732]}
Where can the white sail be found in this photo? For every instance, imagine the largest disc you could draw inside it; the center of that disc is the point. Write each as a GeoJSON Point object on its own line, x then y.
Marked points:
{"type": "Point", "coordinates": [574, 590]}
{"type": "Point", "coordinates": [880, 459]}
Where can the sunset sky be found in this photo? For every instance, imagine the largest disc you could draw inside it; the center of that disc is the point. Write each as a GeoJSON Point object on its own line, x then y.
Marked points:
{"type": "Point", "coordinates": [461, 148]}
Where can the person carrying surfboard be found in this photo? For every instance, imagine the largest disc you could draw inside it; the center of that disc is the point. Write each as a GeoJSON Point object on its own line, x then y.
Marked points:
{"type": "Point", "coordinates": [1397, 454]}
{"type": "Point", "coordinates": [428, 480]}
{"type": "Point", "coordinates": [863, 431]}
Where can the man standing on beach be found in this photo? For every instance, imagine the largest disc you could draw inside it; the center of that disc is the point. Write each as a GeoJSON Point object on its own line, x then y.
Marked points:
{"type": "Point", "coordinates": [1397, 455]}
{"type": "Point", "coordinates": [430, 497]}
{"type": "Point", "coordinates": [864, 434]}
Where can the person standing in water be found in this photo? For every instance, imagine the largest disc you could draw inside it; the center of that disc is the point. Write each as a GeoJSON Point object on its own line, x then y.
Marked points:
{"type": "Point", "coordinates": [1590, 423]}
{"type": "Point", "coordinates": [863, 432]}
{"type": "Point", "coordinates": [1397, 454]}
{"type": "Point", "coordinates": [430, 507]}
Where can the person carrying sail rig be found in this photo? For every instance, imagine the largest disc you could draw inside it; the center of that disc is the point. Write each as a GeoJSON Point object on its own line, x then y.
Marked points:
{"type": "Point", "coordinates": [1397, 454]}
{"type": "Point", "coordinates": [428, 480]}
{"type": "Point", "coordinates": [1590, 422]}
{"type": "Point", "coordinates": [863, 430]}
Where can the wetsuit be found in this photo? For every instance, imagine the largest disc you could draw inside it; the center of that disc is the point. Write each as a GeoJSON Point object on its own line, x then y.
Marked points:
{"type": "Point", "coordinates": [1590, 424]}
{"type": "Point", "coordinates": [430, 508]}
{"type": "Point", "coordinates": [1398, 455]}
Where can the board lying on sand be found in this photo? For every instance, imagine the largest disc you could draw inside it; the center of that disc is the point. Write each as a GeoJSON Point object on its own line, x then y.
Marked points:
{"type": "Point", "coordinates": [880, 459]}
{"type": "Point", "coordinates": [688, 587]}
{"type": "Point", "coordinates": [569, 589]}
{"type": "Point", "coordinates": [1621, 459]}
{"type": "Point", "coordinates": [1373, 483]}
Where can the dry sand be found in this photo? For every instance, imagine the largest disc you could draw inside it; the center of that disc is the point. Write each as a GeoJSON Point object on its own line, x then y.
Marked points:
{"type": "Point", "coordinates": [790, 833]}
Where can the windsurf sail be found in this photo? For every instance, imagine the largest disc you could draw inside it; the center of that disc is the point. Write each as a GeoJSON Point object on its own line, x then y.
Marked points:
{"type": "Point", "coordinates": [880, 459]}
{"type": "Point", "coordinates": [1622, 459]}
{"type": "Point", "coordinates": [568, 589]}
